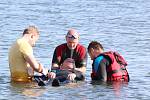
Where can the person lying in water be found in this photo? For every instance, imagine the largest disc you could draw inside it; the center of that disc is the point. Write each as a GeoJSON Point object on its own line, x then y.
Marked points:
{"type": "Point", "coordinates": [67, 68]}
{"type": "Point", "coordinates": [61, 75]}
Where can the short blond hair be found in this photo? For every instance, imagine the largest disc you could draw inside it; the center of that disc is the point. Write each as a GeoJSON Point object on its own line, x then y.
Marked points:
{"type": "Point", "coordinates": [31, 30]}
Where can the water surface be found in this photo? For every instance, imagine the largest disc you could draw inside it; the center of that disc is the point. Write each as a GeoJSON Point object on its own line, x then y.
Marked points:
{"type": "Point", "coordinates": [120, 25]}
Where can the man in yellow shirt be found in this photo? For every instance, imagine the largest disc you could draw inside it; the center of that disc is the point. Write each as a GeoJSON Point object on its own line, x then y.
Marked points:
{"type": "Point", "coordinates": [22, 62]}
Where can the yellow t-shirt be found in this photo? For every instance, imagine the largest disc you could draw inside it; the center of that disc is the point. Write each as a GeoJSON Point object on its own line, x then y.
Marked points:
{"type": "Point", "coordinates": [18, 66]}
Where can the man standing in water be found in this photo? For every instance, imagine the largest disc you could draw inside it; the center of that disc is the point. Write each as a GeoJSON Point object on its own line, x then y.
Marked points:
{"type": "Point", "coordinates": [22, 62]}
{"type": "Point", "coordinates": [67, 53]}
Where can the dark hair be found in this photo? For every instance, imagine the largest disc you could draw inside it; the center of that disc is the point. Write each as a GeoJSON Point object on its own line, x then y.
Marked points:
{"type": "Point", "coordinates": [95, 45]}
{"type": "Point", "coordinates": [25, 31]}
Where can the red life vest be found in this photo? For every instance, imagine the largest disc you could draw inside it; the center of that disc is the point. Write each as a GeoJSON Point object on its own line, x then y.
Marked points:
{"type": "Point", "coordinates": [116, 71]}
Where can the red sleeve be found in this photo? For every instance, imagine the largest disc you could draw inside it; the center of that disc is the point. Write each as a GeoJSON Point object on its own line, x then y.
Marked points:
{"type": "Point", "coordinates": [58, 54]}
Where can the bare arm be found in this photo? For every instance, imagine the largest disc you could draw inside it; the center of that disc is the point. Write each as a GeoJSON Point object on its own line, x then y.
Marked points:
{"type": "Point", "coordinates": [34, 64]}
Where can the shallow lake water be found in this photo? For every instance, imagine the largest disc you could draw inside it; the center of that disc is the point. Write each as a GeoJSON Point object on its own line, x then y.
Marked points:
{"type": "Point", "coordinates": [120, 25]}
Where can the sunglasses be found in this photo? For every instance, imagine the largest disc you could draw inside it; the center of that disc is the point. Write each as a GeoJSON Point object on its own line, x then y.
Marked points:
{"type": "Point", "coordinates": [71, 37]}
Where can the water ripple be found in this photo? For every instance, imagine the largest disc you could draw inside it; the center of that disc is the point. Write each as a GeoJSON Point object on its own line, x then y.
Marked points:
{"type": "Point", "coordinates": [120, 25]}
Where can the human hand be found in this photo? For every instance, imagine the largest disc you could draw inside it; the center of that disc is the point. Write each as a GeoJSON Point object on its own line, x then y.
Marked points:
{"type": "Point", "coordinates": [51, 75]}
{"type": "Point", "coordinates": [45, 71]}
{"type": "Point", "coordinates": [42, 69]}
{"type": "Point", "coordinates": [71, 76]}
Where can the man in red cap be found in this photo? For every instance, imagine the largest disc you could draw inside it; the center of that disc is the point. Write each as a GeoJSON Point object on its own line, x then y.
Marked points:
{"type": "Point", "coordinates": [70, 56]}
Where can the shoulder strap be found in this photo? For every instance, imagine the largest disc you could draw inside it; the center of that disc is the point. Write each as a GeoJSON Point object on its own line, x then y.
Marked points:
{"type": "Point", "coordinates": [97, 62]}
{"type": "Point", "coordinates": [120, 59]}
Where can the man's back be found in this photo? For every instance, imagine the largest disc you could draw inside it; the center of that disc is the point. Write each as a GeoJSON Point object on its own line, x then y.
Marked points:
{"type": "Point", "coordinates": [17, 63]}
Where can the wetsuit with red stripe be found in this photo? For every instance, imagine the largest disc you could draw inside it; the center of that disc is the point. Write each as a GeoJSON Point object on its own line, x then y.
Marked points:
{"type": "Point", "coordinates": [62, 52]}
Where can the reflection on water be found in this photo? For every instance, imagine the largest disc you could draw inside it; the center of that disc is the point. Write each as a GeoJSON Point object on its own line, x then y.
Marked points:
{"type": "Point", "coordinates": [115, 86]}
{"type": "Point", "coordinates": [27, 89]}
{"type": "Point", "coordinates": [32, 92]}
{"type": "Point", "coordinates": [120, 25]}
